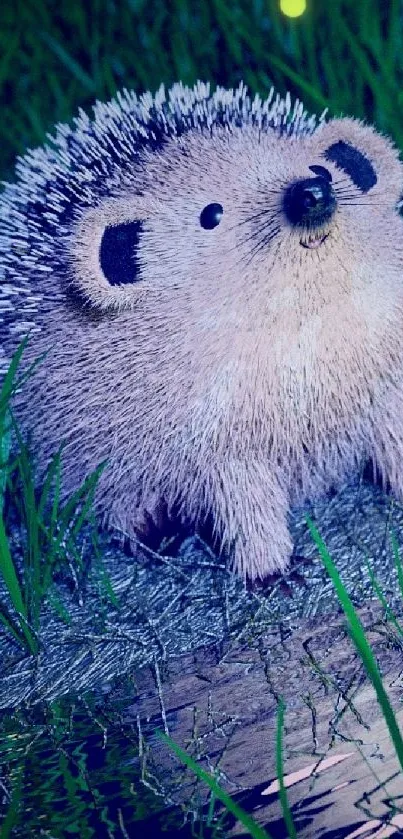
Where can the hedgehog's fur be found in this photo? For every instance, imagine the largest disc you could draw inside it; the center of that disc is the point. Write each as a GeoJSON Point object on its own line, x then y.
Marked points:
{"type": "Point", "coordinates": [239, 371]}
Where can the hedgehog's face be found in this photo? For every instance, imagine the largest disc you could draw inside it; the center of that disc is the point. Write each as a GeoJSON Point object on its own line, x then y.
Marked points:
{"type": "Point", "coordinates": [231, 222]}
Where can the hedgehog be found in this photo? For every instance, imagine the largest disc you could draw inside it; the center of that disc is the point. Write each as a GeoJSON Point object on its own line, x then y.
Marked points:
{"type": "Point", "coordinates": [217, 282]}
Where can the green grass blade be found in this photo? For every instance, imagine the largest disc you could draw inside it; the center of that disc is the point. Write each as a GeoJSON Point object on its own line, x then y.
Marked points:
{"type": "Point", "coordinates": [398, 562]}
{"type": "Point", "coordinates": [12, 815]}
{"type": "Point", "coordinates": [8, 385]}
{"type": "Point", "coordinates": [9, 574]}
{"type": "Point", "coordinates": [64, 526]}
{"type": "Point", "coordinates": [5, 447]}
{"type": "Point", "coordinates": [70, 508]}
{"type": "Point", "coordinates": [311, 54]}
{"type": "Point", "coordinates": [384, 87]}
{"type": "Point", "coordinates": [360, 641]}
{"type": "Point", "coordinates": [392, 45]}
{"type": "Point", "coordinates": [57, 605]}
{"type": "Point", "coordinates": [254, 829]}
{"type": "Point", "coordinates": [104, 576]}
{"type": "Point", "coordinates": [72, 65]}
{"type": "Point", "coordinates": [38, 567]}
{"type": "Point", "coordinates": [49, 532]}
{"type": "Point", "coordinates": [6, 56]}
{"type": "Point", "coordinates": [12, 369]}
{"type": "Point", "coordinates": [53, 471]}
{"type": "Point", "coordinates": [280, 772]}
{"type": "Point", "coordinates": [11, 625]}
{"type": "Point", "coordinates": [32, 576]}
{"type": "Point", "coordinates": [299, 80]}
{"type": "Point", "coordinates": [98, 564]}
{"type": "Point", "coordinates": [391, 616]}
{"type": "Point", "coordinates": [88, 489]}
{"type": "Point", "coordinates": [28, 372]}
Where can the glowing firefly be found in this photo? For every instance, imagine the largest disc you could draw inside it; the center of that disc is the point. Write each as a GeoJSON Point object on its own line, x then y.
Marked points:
{"type": "Point", "coordinates": [293, 8]}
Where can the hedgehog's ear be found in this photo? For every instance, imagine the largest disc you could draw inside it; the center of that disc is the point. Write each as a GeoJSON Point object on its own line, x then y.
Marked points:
{"type": "Point", "coordinates": [119, 252]}
{"type": "Point", "coordinates": [105, 262]}
{"type": "Point", "coordinates": [363, 155]}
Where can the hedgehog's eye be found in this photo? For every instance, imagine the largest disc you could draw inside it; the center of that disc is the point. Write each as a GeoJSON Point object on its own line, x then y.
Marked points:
{"type": "Point", "coordinates": [118, 253]}
{"type": "Point", "coordinates": [354, 163]}
{"type": "Point", "coordinates": [211, 216]}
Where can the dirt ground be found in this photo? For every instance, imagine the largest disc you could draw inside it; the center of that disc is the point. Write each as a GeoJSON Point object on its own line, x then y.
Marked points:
{"type": "Point", "coordinates": [221, 705]}
{"type": "Point", "coordinates": [209, 658]}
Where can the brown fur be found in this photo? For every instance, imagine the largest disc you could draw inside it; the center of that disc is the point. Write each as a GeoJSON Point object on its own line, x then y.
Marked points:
{"type": "Point", "coordinates": [229, 379]}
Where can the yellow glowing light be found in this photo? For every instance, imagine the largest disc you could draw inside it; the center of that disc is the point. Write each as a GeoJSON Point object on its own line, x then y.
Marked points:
{"type": "Point", "coordinates": [293, 8]}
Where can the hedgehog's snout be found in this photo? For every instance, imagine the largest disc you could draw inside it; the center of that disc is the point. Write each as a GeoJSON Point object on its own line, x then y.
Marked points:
{"type": "Point", "coordinates": [311, 202]}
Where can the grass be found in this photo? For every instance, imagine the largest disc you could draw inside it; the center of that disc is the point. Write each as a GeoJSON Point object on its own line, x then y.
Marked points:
{"type": "Point", "coordinates": [50, 531]}
{"type": "Point", "coordinates": [280, 772]}
{"type": "Point", "coordinates": [50, 528]}
{"type": "Point", "coordinates": [58, 766]}
{"type": "Point", "coordinates": [217, 790]}
{"type": "Point", "coordinates": [53, 59]}
{"type": "Point", "coordinates": [359, 640]}
{"type": "Point", "coordinates": [29, 586]}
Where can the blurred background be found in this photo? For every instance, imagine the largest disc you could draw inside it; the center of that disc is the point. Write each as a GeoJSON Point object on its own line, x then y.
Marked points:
{"type": "Point", "coordinates": [58, 56]}
{"type": "Point", "coordinates": [63, 775]}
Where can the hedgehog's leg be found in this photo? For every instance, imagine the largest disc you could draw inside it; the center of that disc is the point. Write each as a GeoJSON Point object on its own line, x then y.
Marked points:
{"type": "Point", "coordinates": [387, 440]}
{"type": "Point", "coordinates": [250, 509]}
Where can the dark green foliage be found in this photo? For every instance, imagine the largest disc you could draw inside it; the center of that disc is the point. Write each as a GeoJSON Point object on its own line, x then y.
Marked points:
{"type": "Point", "coordinates": [49, 527]}
{"type": "Point", "coordinates": [57, 57]}
{"type": "Point", "coordinates": [68, 768]}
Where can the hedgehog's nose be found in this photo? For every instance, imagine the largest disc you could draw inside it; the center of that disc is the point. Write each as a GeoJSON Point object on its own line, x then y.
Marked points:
{"type": "Point", "coordinates": [310, 202]}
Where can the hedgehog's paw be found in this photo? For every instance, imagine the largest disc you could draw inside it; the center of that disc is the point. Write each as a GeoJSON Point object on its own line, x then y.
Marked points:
{"type": "Point", "coordinates": [252, 509]}
{"type": "Point", "coordinates": [265, 551]}
{"type": "Point", "coordinates": [386, 449]}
